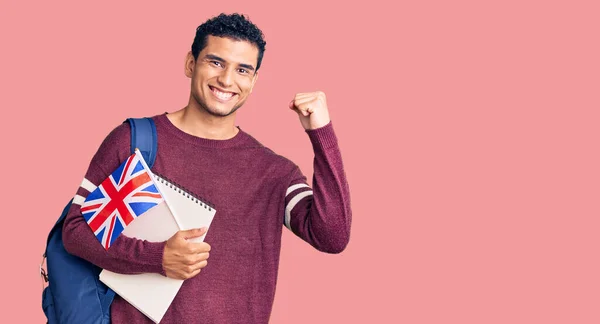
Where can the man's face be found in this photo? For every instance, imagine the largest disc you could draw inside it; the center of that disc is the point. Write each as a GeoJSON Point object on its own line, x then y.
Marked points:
{"type": "Point", "coordinates": [223, 74]}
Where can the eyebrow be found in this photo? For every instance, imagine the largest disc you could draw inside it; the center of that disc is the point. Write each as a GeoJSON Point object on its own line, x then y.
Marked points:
{"type": "Point", "coordinates": [216, 58]}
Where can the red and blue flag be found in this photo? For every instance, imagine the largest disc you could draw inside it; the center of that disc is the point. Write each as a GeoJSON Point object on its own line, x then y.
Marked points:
{"type": "Point", "coordinates": [122, 197]}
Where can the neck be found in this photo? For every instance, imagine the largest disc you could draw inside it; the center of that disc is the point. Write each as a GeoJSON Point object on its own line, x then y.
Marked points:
{"type": "Point", "coordinates": [197, 122]}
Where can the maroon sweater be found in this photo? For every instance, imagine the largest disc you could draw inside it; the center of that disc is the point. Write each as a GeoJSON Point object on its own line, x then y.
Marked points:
{"type": "Point", "coordinates": [255, 192]}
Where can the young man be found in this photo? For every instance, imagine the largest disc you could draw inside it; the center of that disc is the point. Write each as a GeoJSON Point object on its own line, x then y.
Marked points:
{"type": "Point", "coordinates": [255, 191]}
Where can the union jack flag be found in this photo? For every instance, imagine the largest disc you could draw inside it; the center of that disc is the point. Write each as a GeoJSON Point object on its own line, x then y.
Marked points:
{"type": "Point", "coordinates": [126, 194]}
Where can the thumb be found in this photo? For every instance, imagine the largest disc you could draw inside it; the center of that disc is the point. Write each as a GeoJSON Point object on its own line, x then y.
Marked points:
{"type": "Point", "coordinates": [194, 232]}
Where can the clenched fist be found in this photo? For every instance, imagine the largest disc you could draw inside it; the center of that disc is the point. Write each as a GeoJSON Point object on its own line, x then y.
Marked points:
{"type": "Point", "coordinates": [183, 259]}
{"type": "Point", "coordinates": [311, 108]}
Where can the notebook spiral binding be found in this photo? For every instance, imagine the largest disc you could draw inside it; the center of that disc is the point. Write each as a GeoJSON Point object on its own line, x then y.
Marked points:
{"type": "Point", "coordinates": [182, 190]}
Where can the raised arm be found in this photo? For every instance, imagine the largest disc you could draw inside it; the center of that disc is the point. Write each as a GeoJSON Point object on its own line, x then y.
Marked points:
{"type": "Point", "coordinates": [320, 215]}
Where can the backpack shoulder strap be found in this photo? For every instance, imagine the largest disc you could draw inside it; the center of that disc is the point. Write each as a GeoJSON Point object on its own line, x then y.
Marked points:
{"type": "Point", "coordinates": [143, 137]}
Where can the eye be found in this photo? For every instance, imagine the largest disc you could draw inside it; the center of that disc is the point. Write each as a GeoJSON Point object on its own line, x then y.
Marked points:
{"type": "Point", "coordinates": [243, 71]}
{"type": "Point", "coordinates": [217, 63]}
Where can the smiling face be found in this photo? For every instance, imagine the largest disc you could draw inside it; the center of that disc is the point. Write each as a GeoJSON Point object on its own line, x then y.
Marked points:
{"type": "Point", "coordinates": [223, 75]}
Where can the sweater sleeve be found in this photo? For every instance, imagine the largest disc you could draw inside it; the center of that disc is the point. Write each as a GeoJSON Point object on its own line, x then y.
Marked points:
{"type": "Point", "coordinates": [125, 255]}
{"type": "Point", "coordinates": [321, 215]}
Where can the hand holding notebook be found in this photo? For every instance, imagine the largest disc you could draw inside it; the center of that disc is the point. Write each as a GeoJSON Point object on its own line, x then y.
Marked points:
{"type": "Point", "coordinates": [184, 259]}
{"type": "Point", "coordinates": [152, 293]}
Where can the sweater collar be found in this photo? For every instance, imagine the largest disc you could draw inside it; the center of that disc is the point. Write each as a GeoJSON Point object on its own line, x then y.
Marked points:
{"type": "Point", "coordinates": [164, 121]}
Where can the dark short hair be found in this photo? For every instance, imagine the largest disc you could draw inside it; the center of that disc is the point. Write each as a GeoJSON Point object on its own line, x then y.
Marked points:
{"type": "Point", "coordinates": [234, 26]}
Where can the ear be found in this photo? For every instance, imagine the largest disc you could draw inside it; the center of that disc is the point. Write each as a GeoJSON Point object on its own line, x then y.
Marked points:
{"type": "Point", "coordinates": [254, 78]}
{"type": "Point", "coordinates": [190, 64]}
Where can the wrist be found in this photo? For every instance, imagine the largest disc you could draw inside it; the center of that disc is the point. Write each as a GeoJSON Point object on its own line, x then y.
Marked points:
{"type": "Point", "coordinates": [323, 137]}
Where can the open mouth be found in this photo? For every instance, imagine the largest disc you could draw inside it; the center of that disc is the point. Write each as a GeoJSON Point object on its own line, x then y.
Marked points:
{"type": "Point", "coordinates": [222, 95]}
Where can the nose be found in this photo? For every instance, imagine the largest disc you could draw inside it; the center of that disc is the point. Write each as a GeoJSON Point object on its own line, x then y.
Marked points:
{"type": "Point", "coordinates": [225, 78]}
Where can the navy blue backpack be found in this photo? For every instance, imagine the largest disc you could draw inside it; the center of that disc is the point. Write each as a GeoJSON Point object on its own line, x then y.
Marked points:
{"type": "Point", "coordinates": [74, 293]}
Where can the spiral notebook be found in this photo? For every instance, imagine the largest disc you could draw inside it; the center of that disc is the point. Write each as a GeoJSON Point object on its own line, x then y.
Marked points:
{"type": "Point", "coordinates": [152, 293]}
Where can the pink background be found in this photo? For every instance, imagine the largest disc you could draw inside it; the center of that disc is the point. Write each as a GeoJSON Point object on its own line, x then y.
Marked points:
{"type": "Point", "coordinates": [469, 131]}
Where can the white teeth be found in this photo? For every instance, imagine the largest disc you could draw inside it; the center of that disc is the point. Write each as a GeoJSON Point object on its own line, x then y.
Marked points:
{"type": "Point", "coordinates": [222, 95]}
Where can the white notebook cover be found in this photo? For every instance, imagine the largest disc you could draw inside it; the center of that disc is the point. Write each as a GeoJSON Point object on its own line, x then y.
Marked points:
{"type": "Point", "coordinates": [152, 293]}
